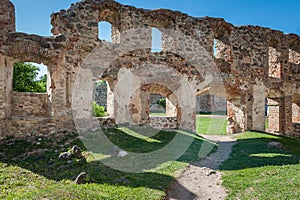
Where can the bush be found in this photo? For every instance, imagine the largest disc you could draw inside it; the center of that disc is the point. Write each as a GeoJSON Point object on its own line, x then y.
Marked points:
{"type": "Point", "coordinates": [98, 111]}
{"type": "Point", "coordinates": [162, 102]}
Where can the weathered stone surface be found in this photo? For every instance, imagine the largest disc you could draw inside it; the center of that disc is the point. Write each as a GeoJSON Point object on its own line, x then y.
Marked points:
{"type": "Point", "coordinates": [164, 123]}
{"type": "Point", "coordinates": [30, 104]}
{"type": "Point", "coordinates": [246, 66]}
{"type": "Point", "coordinates": [7, 16]}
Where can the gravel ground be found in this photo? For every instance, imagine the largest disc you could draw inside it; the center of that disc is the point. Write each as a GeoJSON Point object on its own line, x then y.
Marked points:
{"type": "Point", "coordinates": [201, 179]}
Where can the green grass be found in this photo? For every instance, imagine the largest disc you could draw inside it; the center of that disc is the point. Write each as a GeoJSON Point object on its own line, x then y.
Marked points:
{"type": "Point", "coordinates": [255, 172]}
{"type": "Point", "coordinates": [211, 125]}
{"type": "Point", "coordinates": [207, 124]}
{"type": "Point", "coordinates": [158, 114]}
{"type": "Point", "coordinates": [41, 175]}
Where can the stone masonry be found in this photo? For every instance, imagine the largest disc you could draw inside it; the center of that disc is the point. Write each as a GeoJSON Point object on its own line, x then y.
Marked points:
{"type": "Point", "coordinates": [250, 64]}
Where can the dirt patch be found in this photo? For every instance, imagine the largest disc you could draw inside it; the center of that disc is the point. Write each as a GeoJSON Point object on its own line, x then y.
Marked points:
{"type": "Point", "coordinates": [201, 180]}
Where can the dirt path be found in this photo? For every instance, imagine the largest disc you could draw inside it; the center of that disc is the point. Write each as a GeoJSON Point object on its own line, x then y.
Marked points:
{"type": "Point", "coordinates": [200, 180]}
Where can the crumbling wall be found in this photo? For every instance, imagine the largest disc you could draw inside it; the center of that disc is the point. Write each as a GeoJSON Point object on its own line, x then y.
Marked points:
{"type": "Point", "coordinates": [248, 65]}
{"type": "Point", "coordinates": [7, 16]}
{"type": "Point", "coordinates": [30, 104]}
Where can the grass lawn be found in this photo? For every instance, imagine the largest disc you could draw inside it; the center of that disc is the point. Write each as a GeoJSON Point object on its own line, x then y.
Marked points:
{"type": "Point", "coordinates": [215, 124]}
{"type": "Point", "coordinates": [255, 172]}
{"type": "Point", "coordinates": [158, 114]}
{"type": "Point", "coordinates": [211, 125]}
{"type": "Point", "coordinates": [29, 169]}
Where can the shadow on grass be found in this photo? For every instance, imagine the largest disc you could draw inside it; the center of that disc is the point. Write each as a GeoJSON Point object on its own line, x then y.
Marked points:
{"type": "Point", "coordinates": [44, 159]}
{"type": "Point", "coordinates": [252, 152]}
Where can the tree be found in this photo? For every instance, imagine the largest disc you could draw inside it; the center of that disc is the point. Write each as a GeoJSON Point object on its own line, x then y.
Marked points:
{"type": "Point", "coordinates": [24, 78]}
{"type": "Point", "coordinates": [43, 82]}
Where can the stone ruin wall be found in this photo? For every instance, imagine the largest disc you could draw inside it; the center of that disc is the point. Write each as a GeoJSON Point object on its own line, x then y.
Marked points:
{"type": "Point", "coordinates": [254, 64]}
{"type": "Point", "coordinates": [211, 104]}
{"type": "Point", "coordinates": [30, 104]}
{"type": "Point", "coordinates": [204, 103]}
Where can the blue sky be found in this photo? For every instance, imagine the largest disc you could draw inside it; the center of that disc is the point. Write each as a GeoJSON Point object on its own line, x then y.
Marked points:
{"type": "Point", "coordinates": [33, 16]}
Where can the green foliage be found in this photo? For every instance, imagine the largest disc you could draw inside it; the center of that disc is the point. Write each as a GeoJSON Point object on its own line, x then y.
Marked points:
{"type": "Point", "coordinates": [43, 82]}
{"type": "Point", "coordinates": [101, 82]}
{"type": "Point", "coordinates": [98, 111]}
{"type": "Point", "coordinates": [24, 78]}
{"type": "Point", "coordinates": [162, 102]}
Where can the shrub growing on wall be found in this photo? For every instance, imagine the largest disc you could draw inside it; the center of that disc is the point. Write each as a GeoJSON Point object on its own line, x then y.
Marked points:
{"type": "Point", "coordinates": [162, 102]}
{"type": "Point", "coordinates": [98, 111]}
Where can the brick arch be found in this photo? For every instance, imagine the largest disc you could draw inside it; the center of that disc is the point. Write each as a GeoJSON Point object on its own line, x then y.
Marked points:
{"type": "Point", "coordinates": [141, 113]}
{"type": "Point", "coordinates": [31, 48]}
{"type": "Point", "coordinates": [162, 18]}
{"type": "Point", "coordinates": [180, 64]}
{"type": "Point", "coordinates": [111, 16]}
{"type": "Point", "coordinates": [157, 89]}
{"type": "Point", "coordinates": [221, 30]}
{"type": "Point", "coordinates": [100, 11]}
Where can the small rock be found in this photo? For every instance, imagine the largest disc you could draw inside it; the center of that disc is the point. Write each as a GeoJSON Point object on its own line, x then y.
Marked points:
{"type": "Point", "coordinates": [114, 150]}
{"type": "Point", "coordinates": [274, 145]}
{"type": "Point", "coordinates": [76, 152]}
{"type": "Point", "coordinates": [65, 156]}
{"type": "Point", "coordinates": [122, 154]}
{"type": "Point", "coordinates": [82, 178]}
{"type": "Point", "coordinates": [211, 173]}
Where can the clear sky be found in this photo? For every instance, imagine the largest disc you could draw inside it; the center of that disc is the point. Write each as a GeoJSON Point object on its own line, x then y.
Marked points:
{"type": "Point", "coordinates": [33, 16]}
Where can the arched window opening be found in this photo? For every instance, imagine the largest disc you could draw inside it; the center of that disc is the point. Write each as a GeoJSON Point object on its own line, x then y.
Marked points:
{"type": "Point", "coordinates": [215, 47]}
{"type": "Point", "coordinates": [156, 40]}
{"type": "Point", "coordinates": [30, 77]}
{"type": "Point", "coordinates": [31, 94]}
{"type": "Point", "coordinates": [266, 113]}
{"type": "Point", "coordinates": [105, 31]}
{"type": "Point", "coordinates": [157, 105]}
{"type": "Point", "coordinates": [273, 121]}
{"type": "Point", "coordinates": [102, 105]}
{"type": "Point", "coordinates": [211, 114]}
{"type": "Point", "coordinates": [296, 109]}
{"type": "Point", "coordinates": [222, 49]}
